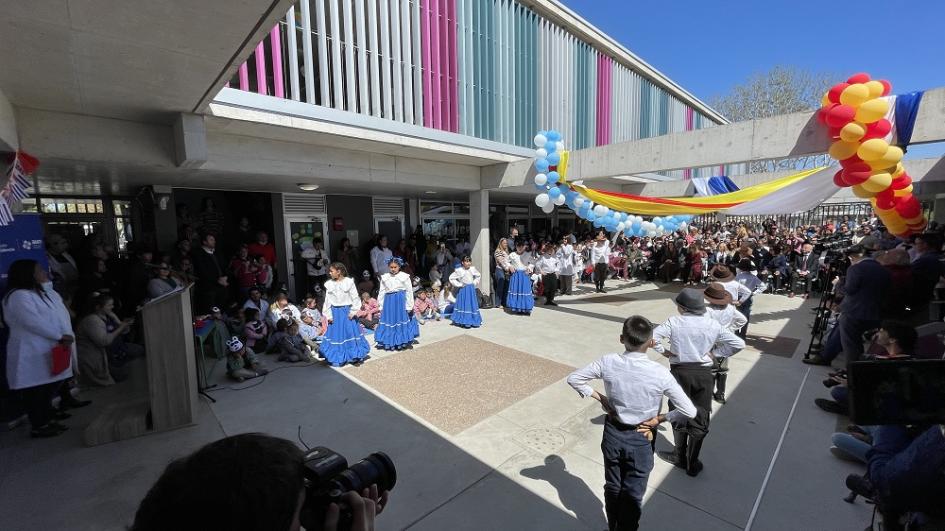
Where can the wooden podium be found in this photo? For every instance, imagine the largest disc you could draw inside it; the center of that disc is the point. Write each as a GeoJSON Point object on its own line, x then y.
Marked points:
{"type": "Point", "coordinates": [171, 394]}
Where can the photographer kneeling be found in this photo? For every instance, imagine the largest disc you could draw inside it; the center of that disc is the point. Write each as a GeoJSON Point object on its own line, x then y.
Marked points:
{"type": "Point", "coordinates": [255, 481]}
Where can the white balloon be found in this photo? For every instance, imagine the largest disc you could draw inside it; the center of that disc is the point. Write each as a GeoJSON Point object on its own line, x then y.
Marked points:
{"type": "Point", "coordinates": [621, 226]}
{"type": "Point", "coordinates": [559, 146]}
{"type": "Point", "coordinates": [542, 200]}
{"type": "Point", "coordinates": [560, 200]}
{"type": "Point", "coordinates": [540, 141]}
{"type": "Point", "coordinates": [541, 179]}
{"type": "Point", "coordinates": [578, 202]}
{"type": "Point", "coordinates": [683, 226]}
{"type": "Point", "coordinates": [651, 234]}
{"type": "Point", "coordinates": [541, 153]}
{"type": "Point", "coordinates": [600, 210]}
{"type": "Point", "coordinates": [548, 209]}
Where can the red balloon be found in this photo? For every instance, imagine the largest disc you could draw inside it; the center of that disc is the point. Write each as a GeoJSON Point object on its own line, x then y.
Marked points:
{"type": "Point", "coordinates": [822, 113]}
{"type": "Point", "coordinates": [856, 176]}
{"type": "Point", "coordinates": [552, 168]}
{"type": "Point", "coordinates": [838, 179]}
{"type": "Point", "coordinates": [901, 182]}
{"type": "Point", "coordinates": [840, 115]}
{"type": "Point", "coordinates": [861, 77]}
{"type": "Point", "coordinates": [851, 161]}
{"type": "Point", "coordinates": [887, 87]}
{"type": "Point", "coordinates": [877, 129]}
{"type": "Point", "coordinates": [834, 93]}
{"type": "Point", "coordinates": [886, 203]}
{"type": "Point", "coordinates": [834, 132]}
{"type": "Point", "coordinates": [909, 207]}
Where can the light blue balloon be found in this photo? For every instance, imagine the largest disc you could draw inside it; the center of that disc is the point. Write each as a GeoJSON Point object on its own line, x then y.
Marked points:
{"type": "Point", "coordinates": [554, 158]}
{"type": "Point", "coordinates": [542, 165]}
{"type": "Point", "coordinates": [553, 135]}
{"type": "Point", "coordinates": [598, 224]}
{"type": "Point", "coordinates": [657, 221]}
{"type": "Point", "coordinates": [543, 133]}
{"type": "Point", "coordinates": [669, 227]}
{"type": "Point", "coordinates": [553, 177]}
{"type": "Point", "coordinates": [571, 195]}
{"type": "Point", "coordinates": [636, 225]}
{"type": "Point", "coordinates": [623, 217]}
{"type": "Point", "coordinates": [554, 192]}
{"type": "Point", "coordinates": [541, 187]}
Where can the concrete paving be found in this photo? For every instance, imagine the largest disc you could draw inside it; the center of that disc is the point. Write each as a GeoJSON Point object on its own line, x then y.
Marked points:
{"type": "Point", "coordinates": [533, 464]}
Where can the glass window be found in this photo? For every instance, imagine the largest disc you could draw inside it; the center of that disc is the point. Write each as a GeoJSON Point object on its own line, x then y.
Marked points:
{"type": "Point", "coordinates": [29, 205]}
{"type": "Point", "coordinates": [122, 208]}
{"type": "Point", "coordinates": [435, 208]}
{"type": "Point", "coordinates": [461, 208]}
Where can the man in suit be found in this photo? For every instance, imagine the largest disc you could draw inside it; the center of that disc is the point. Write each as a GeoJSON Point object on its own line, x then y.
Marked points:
{"type": "Point", "coordinates": [864, 289]}
{"type": "Point", "coordinates": [927, 269]}
{"type": "Point", "coordinates": [803, 269]}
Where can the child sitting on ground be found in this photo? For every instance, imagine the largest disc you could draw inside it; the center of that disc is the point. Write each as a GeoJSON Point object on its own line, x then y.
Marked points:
{"type": "Point", "coordinates": [369, 314]}
{"type": "Point", "coordinates": [255, 330]}
{"type": "Point", "coordinates": [425, 308]}
{"type": "Point", "coordinates": [292, 347]}
{"type": "Point", "coordinates": [443, 299]}
{"type": "Point", "coordinates": [241, 363]}
{"type": "Point", "coordinates": [312, 327]}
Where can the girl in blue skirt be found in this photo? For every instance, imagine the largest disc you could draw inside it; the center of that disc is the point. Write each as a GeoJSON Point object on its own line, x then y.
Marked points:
{"type": "Point", "coordinates": [466, 310]}
{"type": "Point", "coordinates": [520, 298]}
{"type": "Point", "coordinates": [397, 328]}
{"type": "Point", "coordinates": [343, 342]}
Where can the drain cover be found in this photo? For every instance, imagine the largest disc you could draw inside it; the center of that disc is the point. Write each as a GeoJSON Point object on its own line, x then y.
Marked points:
{"type": "Point", "coordinates": [544, 440]}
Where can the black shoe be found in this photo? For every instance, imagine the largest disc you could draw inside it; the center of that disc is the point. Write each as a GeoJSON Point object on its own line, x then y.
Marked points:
{"type": "Point", "coordinates": [602, 290]}
{"type": "Point", "coordinates": [671, 458]}
{"type": "Point", "coordinates": [61, 415]}
{"type": "Point", "coordinates": [830, 382]}
{"type": "Point", "coordinates": [830, 406]}
{"type": "Point", "coordinates": [49, 430]}
{"type": "Point", "coordinates": [815, 360]}
{"type": "Point", "coordinates": [719, 397]}
{"type": "Point", "coordinates": [860, 485]}
{"type": "Point", "coordinates": [693, 465]}
{"type": "Point", "coordinates": [73, 403]}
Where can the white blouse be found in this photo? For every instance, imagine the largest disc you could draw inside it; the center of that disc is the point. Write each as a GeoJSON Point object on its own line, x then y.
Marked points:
{"type": "Point", "coordinates": [394, 283]}
{"type": "Point", "coordinates": [515, 260]}
{"type": "Point", "coordinates": [341, 293]}
{"type": "Point", "coordinates": [464, 277]}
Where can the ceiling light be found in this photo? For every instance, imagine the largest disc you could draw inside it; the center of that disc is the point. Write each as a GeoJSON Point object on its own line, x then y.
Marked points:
{"type": "Point", "coordinates": [430, 192]}
{"type": "Point", "coordinates": [307, 187]}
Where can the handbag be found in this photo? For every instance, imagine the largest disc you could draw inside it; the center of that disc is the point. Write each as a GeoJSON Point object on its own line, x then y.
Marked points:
{"type": "Point", "coordinates": [61, 358]}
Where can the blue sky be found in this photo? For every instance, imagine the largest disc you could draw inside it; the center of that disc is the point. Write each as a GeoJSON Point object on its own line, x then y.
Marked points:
{"type": "Point", "coordinates": [708, 46]}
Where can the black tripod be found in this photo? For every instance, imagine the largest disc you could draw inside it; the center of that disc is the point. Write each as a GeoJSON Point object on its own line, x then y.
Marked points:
{"type": "Point", "coordinates": [822, 313]}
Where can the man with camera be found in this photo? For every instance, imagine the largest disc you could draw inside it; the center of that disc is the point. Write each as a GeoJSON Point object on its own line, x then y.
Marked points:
{"type": "Point", "coordinates": [864, 288]}
{"type": "Point", "coordinates": [254, 482]}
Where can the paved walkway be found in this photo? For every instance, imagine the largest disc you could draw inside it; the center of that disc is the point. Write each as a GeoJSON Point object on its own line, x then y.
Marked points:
{"type": "Point", "coordinates": [485, 433]}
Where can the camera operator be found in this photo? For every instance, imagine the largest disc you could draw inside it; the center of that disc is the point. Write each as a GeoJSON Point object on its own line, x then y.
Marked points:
{"type": "Point", "coordinates": [246, 482]}
{"type": "Point", "coordinates": [927, 269]}
{"type": "Point", "coordinates": [864, 288]}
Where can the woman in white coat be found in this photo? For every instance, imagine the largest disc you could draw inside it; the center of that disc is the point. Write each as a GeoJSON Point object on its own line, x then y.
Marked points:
{"type": "Point", "coordinates": [38, 321]}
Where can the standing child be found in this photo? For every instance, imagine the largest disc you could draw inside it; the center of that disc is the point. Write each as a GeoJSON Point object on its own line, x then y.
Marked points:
{"type": "Point", "coordinates": [344, 342]}
{"type": "Point", "coordinates": [466, 310]}
{"type": "Point", "coordinates": [565, 257]}
{"type": "Point", "coordinates": [369, 314]}
{"type": "Point", "coordinates": [263, 273]}
{"type": "Point", "coordinates": [520, 298]}
{"type": "Point", "coordinates": [754, 284]}
{"type": "Point", "coordinates": [721, 310]}
{"type": "Point", "coordinates": [425, 308]}
{"type": "Point", "coordinates": [397, 329]}
{"type": "Point", "coordinates": [241, 363]}
{"type": "Point", "coordinates": [549, 266]}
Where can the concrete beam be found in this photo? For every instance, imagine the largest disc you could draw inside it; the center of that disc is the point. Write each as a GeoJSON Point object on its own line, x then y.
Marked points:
{"type": "Point", "coordinates": [789, 135]}
{"type": "Point", "coordinates": [190, 140]}
{"type": "Point", "coordinates": [9, 138]}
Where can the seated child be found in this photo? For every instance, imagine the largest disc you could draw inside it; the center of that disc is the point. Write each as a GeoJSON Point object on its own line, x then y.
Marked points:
{"type": "Point", "coordinates": [369, 315]}
{"type": "Point", "coordinates": [425, 308]}
{"type": "Point", "coordinates": [443, 298]}
{"type": "Point", "coordinates": [291, 346]}
{"type": "Point", "coordinates": [435, 275]}
{"type": "Point", "coordinates": [366, 285]}
{"type": "Point", "coordinates": [417, 287]}
{"type": "Point", "coordinates": [241, 363]}
{"type": "Point", "coordinates": [255, 330]}
{"type": "Point", "coordinates": [312, 327]}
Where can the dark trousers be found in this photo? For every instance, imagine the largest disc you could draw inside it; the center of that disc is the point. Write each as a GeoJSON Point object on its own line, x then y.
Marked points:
{"type": "Point", "coordinates": [720, 374]}
{"type": "Point", "coordinates": [697, 382]}
{"type": "Point", "coordinates": [37, 401]}
{"type": "Point", "coordinates": [806, 279]}
{"type": "Point", "coordinates": [565, 281]}
{"type": "Point", "coordinates": [501, 286]}
{"type": "Point", "coordinates": [851, 335]}
{"type": "Point", "coordinates": [550, 282]}
{"type": "Point", "coordinates": [832, 345]}
{"type": "Point", "coordinates": [745, 308]}
{"type": "Point", "coordinates": [628, 460]}
{"type": "Point", "coordinates": [600, 275]}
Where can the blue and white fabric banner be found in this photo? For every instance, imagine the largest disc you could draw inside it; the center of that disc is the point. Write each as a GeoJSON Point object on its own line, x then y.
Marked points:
{"type": "Point", "coordinates": [706, 186]}
{"type": "Point", "coordinates": [903, 109]}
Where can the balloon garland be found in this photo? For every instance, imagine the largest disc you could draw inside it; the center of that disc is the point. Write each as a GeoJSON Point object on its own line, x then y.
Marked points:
{"type": "Point", "coordinates": [551, 162]}
{"type": "Point", "coordinates": [855, 114]}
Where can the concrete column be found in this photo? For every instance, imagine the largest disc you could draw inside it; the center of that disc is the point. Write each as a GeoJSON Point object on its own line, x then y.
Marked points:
{"type": "Point", "coordinates": [278, 238]}
{"type": "Point", "coordinates": [479, 236]}
{"type": "Point", "coordinates": [413, 215]}
{"type": "Point", "coordinates": [9, 136]}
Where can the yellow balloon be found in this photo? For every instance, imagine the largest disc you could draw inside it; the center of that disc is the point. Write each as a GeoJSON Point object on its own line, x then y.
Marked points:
{"type": "Point", "coordinates": [852, 132]}
{"type": "Point", "coordinates": [871, 111]}
{"type": "Point", "coordinates": [855, 95]}
{"type": "Point", "coordinates": [841, 150]}
{"type": "Point", "coordinates": [904, 192]}
{"type": "Point", "coordinates": [900, 169]}
{"type": "Point", "coordinates": [872, 149]}
{"type": "Point", "coordinates": [861, 192]}
{"type": "Point", "coordinates": [875, 87]}
{"type": "Point", "coordinates": [916, 220]}
{"type": "Point", "coordinates": [825, 101]}
{"type": "Point", "coordinates": [892, 156]}
{"type": "Point", "coordinates": [877, 182]}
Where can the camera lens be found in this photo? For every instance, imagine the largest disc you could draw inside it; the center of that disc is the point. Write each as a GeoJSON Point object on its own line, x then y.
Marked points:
{"type": "Point", "coordinates": [375, 469]}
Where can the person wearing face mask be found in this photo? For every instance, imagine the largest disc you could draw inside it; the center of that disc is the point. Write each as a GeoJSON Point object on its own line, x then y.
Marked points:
{"type": "Point", "coordinates": [804, 269]}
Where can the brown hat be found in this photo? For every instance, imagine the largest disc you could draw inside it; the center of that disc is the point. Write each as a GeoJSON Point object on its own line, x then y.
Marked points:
{"type": "Point", "coordinates": [716, 294]}
{"type": "Point", "coordinates": [722, 273]}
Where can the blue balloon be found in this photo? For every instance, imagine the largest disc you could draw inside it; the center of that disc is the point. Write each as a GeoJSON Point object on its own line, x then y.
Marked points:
{"type": "Point", "coordinates": [657, 221]}
{"type": "Point", "coordinates": [541, 165]}
{"type": "Point", "coordinates": [553, 135]}
{"type": "Point", "coordinates": [571, 195]}
{"type": "Point", "coordinates": [554, 192]}
{"type": "Point", "coordinates": [543, 133]}
{"type": "Point", "coordinates": [598, 224]}
{"type": "Point", "coordinates": [553, 177]}
{"type": "Point", "coordinates": [623, 217]}
{"type": "Point", "coordinates": [554, 158]}
{"type": "Point", "coordinates": [636, 225]}
{"type": "Point", "coordinates": [669, 227]}
{"type": "Point", "coordinates": [541, 187]}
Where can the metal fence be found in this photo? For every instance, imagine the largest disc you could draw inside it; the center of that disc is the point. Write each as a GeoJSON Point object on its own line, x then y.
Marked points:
{"type": "Point", "coordinates": [858, 211]}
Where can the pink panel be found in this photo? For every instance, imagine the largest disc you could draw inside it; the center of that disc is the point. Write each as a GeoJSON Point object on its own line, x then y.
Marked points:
{"type": "Point", "coordinates": [435, 64]}
{"type": "Point", "coordinates": [689, 119]}
{"type": "Point", "coordinates": [244, 77]}
{"type": "Point", "coordinates": [261, 68]}
{"type": "Point", "coordinates": [275, 40]}
{"type": "Point", "coordinates": [603, 100]}
{"type": "Point", "coordinates": [454, 67]}
{"type": "Point", "coordinates": [427, 63]}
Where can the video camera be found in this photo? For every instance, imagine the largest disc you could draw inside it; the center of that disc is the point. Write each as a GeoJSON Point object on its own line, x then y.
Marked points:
{"type": "Point", "coordinates": [907, 392]}
{"type": "Point", "coordinates": [328, 477]}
